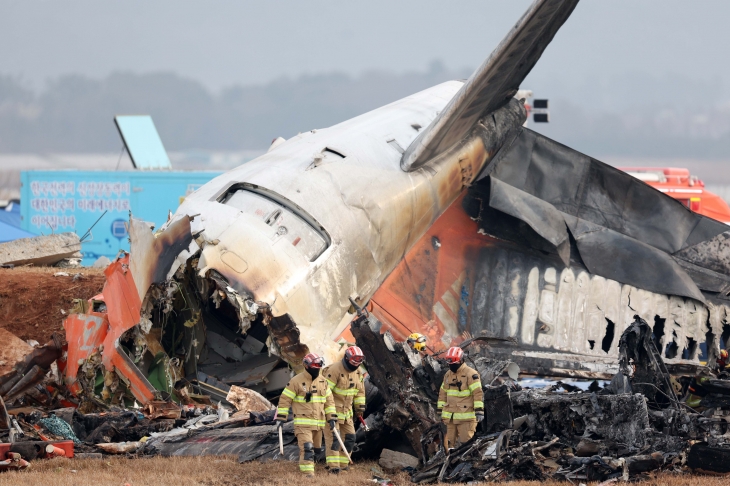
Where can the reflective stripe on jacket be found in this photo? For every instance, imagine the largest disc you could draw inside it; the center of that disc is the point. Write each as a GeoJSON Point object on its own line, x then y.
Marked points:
{"type": "Point", "coordinates": [461, 395]}
{"type": "Point", "coordinates": [313, 412]}
{"type": "Point", "coordinates": [348, 388]}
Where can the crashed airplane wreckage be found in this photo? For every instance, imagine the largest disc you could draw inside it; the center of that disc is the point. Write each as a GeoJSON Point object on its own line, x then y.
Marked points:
{"type": "Point", "coordinates": [442, 215]}
{"type": "Point", "coordinates": [159, 331]}
{"type": "Point", "coordinates": [171, 311]}
{"type": "Point", "coordinates": [445, 215]}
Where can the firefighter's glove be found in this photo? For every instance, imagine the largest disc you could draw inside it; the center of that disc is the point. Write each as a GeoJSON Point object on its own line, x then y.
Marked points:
{"type": "Point", "coordinates": [480, 416]}
{"type": "Point", "coordinates": [358, 415]}
{"type": "Point", "coordinates": [333, 424]}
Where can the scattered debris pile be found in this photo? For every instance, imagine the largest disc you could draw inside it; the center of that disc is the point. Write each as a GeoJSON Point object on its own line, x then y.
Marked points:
{"type": "Point", "coordinates": [162, 354]}
{"type": "Point", "coordinates": [111, 384]}
{"type": "Point", "coordinates": [162, 331]}
{"type": "Point", "coordinates": [636, 424]}
{"type": "Point", "coordinates": [27, 374]}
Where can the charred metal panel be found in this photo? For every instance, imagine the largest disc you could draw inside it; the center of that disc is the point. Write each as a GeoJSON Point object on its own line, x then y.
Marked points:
{"type": "Point", "coordinates": [571, 310]}
{"type": "Point", "coordinates": [153, 255]}
{"type": "Point", "coordinates": [619, 420]}
{"type": "Point", "coordinates": [614, 255]}
{"type": "Point", "coordinates": [623, 229]}
{"type": "Point", "coordinates": [250, 443]}
{"type": "Point", "coordinates": [640, 360]}
{"type": "Point", "coordinates": [712, 254]}
{"type": "Point", "coordinates": [704, 458]}
{"type": "Point", "coordinates": [542, 217]}
{"type": "Point", "coordinates": [567, 321]}
{"type": "Point", "coordinates": [586, 188]}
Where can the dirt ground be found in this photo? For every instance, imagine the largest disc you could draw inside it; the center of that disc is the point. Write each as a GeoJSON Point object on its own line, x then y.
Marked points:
{"type": "Point", "coordinates": [225, 471]}
{"type": "Point", "coordinates": [31, 298]}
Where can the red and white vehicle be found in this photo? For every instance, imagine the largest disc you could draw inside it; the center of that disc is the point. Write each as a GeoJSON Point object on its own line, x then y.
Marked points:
{"type": "Point", "coordinates": [686, 188]}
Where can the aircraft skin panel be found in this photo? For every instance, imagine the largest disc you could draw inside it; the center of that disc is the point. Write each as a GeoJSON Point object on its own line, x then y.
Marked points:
{"type": "Point", "coordinates": [563, 318]}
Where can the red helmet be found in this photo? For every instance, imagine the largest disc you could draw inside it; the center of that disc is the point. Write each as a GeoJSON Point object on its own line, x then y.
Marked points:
{"type": "Point", "coordinates": [454, 355]}
{"type": "Point", "coordinates": [354, 356]}
{"type": "Point", "coordinates": [313, 361]}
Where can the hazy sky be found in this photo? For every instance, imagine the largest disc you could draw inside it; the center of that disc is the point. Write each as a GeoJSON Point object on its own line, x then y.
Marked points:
{"type": "Point", "coordinates": [243, 42]}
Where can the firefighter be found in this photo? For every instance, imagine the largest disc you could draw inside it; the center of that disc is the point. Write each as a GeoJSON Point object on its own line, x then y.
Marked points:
{"type": "Point", "coordinates": [346, 380]}
{"type": "Point", "coordinates": [417, 341]}
{"type": "Point", "coordinates": [460, 399]}
{"type": "Point", "coordinates": [313, 406]}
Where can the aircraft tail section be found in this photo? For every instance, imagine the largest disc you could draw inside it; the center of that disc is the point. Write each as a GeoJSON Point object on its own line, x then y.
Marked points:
{"type": "Point", "coordinates": [493, 83]}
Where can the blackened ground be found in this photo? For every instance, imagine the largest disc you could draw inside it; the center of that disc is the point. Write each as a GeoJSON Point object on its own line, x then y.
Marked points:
{"type": "Point", "coordinates": [31, 298]}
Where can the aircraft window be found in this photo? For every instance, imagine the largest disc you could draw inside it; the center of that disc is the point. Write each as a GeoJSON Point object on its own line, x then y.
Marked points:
{"type": "Point", "coordinates": [287, 220]}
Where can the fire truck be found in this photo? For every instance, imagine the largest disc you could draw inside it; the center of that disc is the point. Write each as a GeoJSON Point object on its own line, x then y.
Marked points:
{"type": "Point", "coordinates": [685, 188]}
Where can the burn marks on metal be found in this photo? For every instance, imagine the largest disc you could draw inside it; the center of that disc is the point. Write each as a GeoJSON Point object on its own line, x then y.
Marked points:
{"type": "Point", "coordinates": [417, 282]}
{"type": "Point", "coordinates": [618, 227]}
{"type": "Point", "coordinates": [154, 255]}
{"type": "Point", "coordinates": [500, 294]}
{"type": "Point", "coordinates": [568, 310]}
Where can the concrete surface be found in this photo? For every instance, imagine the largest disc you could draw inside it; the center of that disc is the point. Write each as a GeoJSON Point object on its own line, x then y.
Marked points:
{"type": "Point", "coordinates": [41, 250]}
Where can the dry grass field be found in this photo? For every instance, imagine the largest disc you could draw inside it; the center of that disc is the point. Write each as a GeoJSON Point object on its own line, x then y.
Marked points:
{"type": "Point", "coordinates": [217, 471]}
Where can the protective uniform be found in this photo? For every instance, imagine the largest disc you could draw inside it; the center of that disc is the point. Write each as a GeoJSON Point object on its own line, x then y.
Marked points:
{"type": "Point", "coordinates": [348, 388]}
{"type": "Point", "coordinates": [313, 406]}
{"type": "Point", "coordinates": [460, 401]}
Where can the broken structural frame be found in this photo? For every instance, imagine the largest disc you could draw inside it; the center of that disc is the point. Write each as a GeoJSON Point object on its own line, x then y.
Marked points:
{"type": "Point", "coordinates": [161, 331]}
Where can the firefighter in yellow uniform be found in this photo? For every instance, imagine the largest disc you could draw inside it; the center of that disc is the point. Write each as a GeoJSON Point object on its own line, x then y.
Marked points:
{"type": "Point", "coordinates": [346, 381]}
{"type": "Point", "coordinates": [461, 400]}
{"type": "Point", "coordinates": [313, 406]}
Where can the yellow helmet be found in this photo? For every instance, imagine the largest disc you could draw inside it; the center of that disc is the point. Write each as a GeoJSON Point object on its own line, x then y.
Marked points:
{"type": "Point", "coordinates": [417, 341]}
